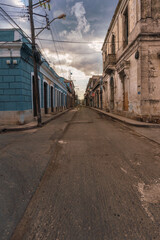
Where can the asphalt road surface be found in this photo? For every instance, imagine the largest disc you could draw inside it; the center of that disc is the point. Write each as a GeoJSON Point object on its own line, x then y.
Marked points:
{"type": "Point", "coordinates": [102, 183]}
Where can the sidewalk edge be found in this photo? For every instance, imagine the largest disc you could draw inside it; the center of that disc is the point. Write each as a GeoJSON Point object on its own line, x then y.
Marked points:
{"type": "Point", "coordinates": [18, 129]}
{"type": "Point", "coordinates": [126, 122]}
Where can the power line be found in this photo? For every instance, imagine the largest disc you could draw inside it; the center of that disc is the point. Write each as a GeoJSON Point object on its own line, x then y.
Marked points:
{"type": "Point", "coordinates": [60, 44]}
{"type": "Point", "coordinates": [18, 17]}
{"type": "Point", "coordinates": [9, 22]}
{"type": "Point", "coordinates": [45, 55]}
{"type": "Point", "coordinates": [8, 5]}
{"type": "Point", "coordinates": [9, 11]}
{"type": "Point", "coordinates": [25, 34]}
{"type": "Point", "coordinates": [82, 53]}
{"type": "Point", "coordinates": [65, 41]}
{"type": "Point", "coordinates": [78, 42]}
{"type": "Point", "coordinates": [38, 21]}
{"type": "Point", "coordinates": [56, 51]}
{"type": "Point", "coordinates": [77, 53]}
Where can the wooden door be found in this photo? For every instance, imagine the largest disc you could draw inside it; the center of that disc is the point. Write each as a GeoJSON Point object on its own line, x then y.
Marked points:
{"type": "Point", "coordinates": [125, 95]}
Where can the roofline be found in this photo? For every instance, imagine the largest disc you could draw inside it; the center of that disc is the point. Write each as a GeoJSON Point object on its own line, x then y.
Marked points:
{"type": "Point", "coordinates": [112, 21]}
{"type": "Point", "coordinates": [8, 29]}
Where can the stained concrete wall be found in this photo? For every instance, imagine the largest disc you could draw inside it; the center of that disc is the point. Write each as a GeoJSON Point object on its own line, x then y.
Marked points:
{"type": "Point", "coordinates": [150, 79]}
{"type": "Point", "coordinates": [142, 55]}
{"type": "Point", "coordinates": [134, 15]}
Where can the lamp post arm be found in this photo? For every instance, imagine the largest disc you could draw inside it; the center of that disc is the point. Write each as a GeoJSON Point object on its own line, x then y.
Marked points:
{"type": "Point", "coordinates": [45, 27]}
{"type": "Point", "coordinates": [59, 17]}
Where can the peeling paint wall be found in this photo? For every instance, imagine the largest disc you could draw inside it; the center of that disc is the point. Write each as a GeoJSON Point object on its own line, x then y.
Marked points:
{"type": "Point", "coordinates": [155, 9]}
{"type": "Point", "coordinates": [150, 80]}
{"type": "Point", "coordinates": [136, 72]}
{"type": "Point", "coordinates": [133, 16]}
{"type": "Point", "coordinates": [146, 8]}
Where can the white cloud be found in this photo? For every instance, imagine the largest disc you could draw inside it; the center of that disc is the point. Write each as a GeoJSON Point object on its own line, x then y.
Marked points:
{"type": "Point", "coordinates": [79, 11]}
{"type": "Point", "coordinates": [63, 58]}
{"type": "Point", "coordinates": [80, 59]}
{"type": "Point", "coordinates": [63, 33]}
{"type": "Point", "coordinates": [79, 78]}
{"type": "Point", "coordinates": [19, 15]}
{"type": "Point", "coordinates": [83, 25]}
{"type": "Point", "coordinates": [96, 46]}
{"type": "Point", "coordinates": [18, 3]}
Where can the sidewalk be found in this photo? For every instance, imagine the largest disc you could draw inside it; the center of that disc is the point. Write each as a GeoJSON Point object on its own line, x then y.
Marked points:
{"type": "Point", "coordinates": [127, 121]}
{"type": "Point", "coordinates": [150, 131]}
{"type": "Point", "coordinates": [31, 125]}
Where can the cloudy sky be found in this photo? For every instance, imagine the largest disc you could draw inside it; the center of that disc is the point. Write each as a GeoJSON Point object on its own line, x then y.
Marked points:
{"type": "Point", "coordinates": [71, 46]}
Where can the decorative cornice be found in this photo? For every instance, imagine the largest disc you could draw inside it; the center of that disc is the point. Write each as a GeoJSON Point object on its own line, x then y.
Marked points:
{"type": "Point", "coordinates": [122, 66]}
{"type": "Point", "coordinates": [10, 49]}
{"type": "Point", "coordinates": [11, 45]}
{"type": "Point", "coordinates": [48, 74]}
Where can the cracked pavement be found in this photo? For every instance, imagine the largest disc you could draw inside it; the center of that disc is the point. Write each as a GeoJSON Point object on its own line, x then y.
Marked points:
{"type": "Point", "coordinates": [102, 182]}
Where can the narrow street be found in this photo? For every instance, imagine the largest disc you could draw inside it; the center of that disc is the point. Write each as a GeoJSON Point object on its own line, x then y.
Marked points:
{"type": "Point", "coordinates": [102, 182]}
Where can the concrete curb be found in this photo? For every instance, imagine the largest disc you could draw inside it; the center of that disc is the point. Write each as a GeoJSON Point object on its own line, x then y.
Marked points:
{"type": "Point", "coordinates": [127, 121]}
{"type": "Point", "coordinates": [18, 129]}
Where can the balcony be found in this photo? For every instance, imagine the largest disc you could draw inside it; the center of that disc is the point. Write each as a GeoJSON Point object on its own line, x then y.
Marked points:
{"type": "Point", "coordinates": [109, 64]}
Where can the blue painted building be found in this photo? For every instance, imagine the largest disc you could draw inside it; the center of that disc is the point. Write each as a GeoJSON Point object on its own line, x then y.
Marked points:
{"type": "Point", "coordinates": [17, 98]}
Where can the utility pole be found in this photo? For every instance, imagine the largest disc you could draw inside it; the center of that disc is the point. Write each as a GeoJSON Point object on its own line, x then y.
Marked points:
{"type": "Point", "coordinates": [34, 52]}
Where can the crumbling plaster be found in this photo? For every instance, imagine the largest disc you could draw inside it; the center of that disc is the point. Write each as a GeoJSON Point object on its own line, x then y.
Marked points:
{"type": "Point", "coordinates": [143, 55]}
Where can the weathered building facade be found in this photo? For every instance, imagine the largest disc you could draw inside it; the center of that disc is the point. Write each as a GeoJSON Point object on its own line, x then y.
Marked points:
{"type": "Point", "coordinates": [131, 60]}
{"type": "Point", "coordinates": [93, 94]}
{"type": "Point", "coordinates": [17, 88]}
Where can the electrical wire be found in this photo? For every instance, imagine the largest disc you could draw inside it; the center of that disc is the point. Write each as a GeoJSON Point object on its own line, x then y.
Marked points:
{"type": "Point", "coordinates": [45, 55]}
{"type": "Point", "coordinates": [9, 11]}
{"type": "Point", "coordinates": [80, 53]}
{"type": "Point", "coordinates": [56, 52]}
{"type": "Point", "coordinates": [40, 22]}
{"type": "Point", "coordinates": [19, 28]}
{"type": "Point", "coordinates": [9, 22]}
{"type": "Point", "coordinates": [17, 17]}
{"type": "Point", "coordinates": [8, 5]}
{"type": "Point", "coordinates": [59, 43]}
{"type": "Point", "coordinates": [65, 41]}
{"type": "Point", "coordinates": [78, 42]}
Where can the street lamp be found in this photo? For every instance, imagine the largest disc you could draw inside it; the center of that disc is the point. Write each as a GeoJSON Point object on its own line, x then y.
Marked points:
{"type": "Point", "coordinates": [62, 16]}
{"type": "Point", "coordinates": [34, 52]}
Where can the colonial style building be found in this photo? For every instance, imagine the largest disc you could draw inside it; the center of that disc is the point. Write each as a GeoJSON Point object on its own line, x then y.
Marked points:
{"type": "Point", "coordinates": [17, 93]}
{"type": "Point", "coordinates": [131, 60]}
{"type": "Point", "coordinates": [93, 94]}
